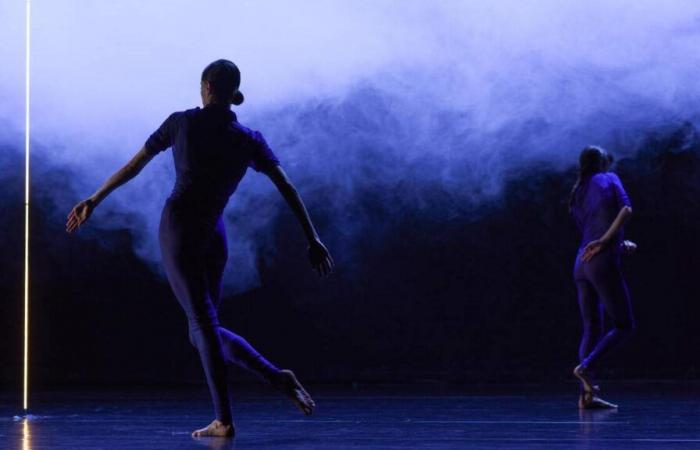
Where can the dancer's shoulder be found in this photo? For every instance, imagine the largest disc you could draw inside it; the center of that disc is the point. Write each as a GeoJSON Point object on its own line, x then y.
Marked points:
{"type": "Point", "coordinates": [605, 178]}
{"type": "Point", "coordinates": [177, 116]}
{"type": "Point", "coordinates": [255, 136]}
{"type": "Point", "coordinates": [613, 176]}
{"type": "Point", "coordinates": [188, 112]}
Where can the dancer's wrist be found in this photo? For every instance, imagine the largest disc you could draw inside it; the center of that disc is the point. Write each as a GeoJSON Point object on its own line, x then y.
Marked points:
{"type": "Point", "coordinates": [93, 200]}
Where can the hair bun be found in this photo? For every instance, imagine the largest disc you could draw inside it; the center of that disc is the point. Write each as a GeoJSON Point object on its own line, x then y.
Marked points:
{"type": "Point", "coordinates": [237, 98]}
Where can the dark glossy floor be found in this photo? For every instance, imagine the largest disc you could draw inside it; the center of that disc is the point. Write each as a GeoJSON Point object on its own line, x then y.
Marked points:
{"type": "Point", "coordinates": [666, 417]}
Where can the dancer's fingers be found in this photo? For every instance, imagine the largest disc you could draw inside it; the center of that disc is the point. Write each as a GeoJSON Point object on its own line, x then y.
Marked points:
{"type": "Point", "coordinates": [75, 223]}
{"type": "Point", "coordinates": [589, 251]}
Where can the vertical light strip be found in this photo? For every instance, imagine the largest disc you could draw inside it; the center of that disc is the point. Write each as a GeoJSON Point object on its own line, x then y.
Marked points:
{"type": "Point", "coordinates": [25, 390]}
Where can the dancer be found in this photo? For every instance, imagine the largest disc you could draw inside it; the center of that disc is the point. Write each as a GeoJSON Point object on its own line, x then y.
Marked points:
{"type": "Point", "coordinates": [601, 207]}
{"type": "Point", "coordinates": [212, 151]}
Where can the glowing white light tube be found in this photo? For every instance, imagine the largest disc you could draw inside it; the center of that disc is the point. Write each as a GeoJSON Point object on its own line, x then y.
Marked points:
{"type": "Point", "coordinates": [25, 388]}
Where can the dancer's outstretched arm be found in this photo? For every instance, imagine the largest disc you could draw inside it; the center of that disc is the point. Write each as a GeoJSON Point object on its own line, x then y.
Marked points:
{"type": "Point", "coordinates": [318, 253]}
{"type": "Point", "coordinates": [594, 247]}
{"type": "Point", "coordinates": [82, 211]}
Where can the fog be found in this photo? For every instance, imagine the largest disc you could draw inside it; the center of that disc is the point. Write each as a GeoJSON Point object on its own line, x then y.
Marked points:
{"type": "Point", "coordinates": [411, 98]}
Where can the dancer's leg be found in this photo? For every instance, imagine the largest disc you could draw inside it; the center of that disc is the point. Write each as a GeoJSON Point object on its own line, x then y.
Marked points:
{"type": "Point", "coordinates": [613, 293]}
{"type": "Point", "coordinates": [238, 351]}
{"type": "Point", "coordinates": [216, 257]}
{"type": "Point", "coordinates": [235, 348]}
{"type": "Point", "coordinates": [600, 283]}
{"type": "Point", "coordinates": [183, 259]}
{"type": "Point", "coordinates": [591, 316]}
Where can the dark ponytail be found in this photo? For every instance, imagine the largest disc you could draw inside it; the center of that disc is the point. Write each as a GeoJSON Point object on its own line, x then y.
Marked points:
{"type": "Point", "coordinates": [593, 160]}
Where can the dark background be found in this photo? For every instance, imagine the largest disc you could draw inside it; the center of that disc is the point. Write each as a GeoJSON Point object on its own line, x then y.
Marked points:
{"type": "Point", "coordinates": [444, 293]}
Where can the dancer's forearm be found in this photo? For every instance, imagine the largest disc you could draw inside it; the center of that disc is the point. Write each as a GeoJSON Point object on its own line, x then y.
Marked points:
{"type": "Point", "coordinates": [622, 217]}
{"type": "Point", "coordinates": [122, 176]}
{"type": "Point", "coordinates": [293, 199]}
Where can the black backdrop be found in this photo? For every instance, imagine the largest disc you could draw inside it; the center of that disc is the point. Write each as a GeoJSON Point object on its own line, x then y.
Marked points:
{"type": "Point", "coordinates": [449, 296]}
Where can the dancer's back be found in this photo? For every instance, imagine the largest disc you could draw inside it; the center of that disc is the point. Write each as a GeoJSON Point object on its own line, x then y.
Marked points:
{"type": "Point", "coordinates": [212, 152]}
{"type": "Point", "coordinates": [597, 204]}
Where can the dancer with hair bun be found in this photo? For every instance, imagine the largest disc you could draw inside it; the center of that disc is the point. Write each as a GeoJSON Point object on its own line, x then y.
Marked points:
{"type": "Point", "coordinates": [212, 152]}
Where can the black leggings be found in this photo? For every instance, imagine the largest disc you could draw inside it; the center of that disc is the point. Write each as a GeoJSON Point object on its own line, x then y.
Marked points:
{"type": "Point", "coordinates": [194, 255]}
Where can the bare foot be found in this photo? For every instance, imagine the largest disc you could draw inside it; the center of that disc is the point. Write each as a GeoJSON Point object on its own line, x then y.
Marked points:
{"type": "Point", "coordinates": [290, 386]}
{"type": "Point", "coordinates": [215, 429]}
{"type": "Point", "coordinates": [589, 401]}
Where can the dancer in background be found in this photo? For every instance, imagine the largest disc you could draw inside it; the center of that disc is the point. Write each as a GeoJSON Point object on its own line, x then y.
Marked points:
{"type": "Point", "coordinates": [601, 207]}
{"type": "Point", "coordinates": [212, 152]}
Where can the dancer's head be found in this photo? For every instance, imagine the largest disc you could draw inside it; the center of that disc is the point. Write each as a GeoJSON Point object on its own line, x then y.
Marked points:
{"type": "Point", "coordinates": [592, 160]}
{"type": "Point", "coordinates": [220, 82]}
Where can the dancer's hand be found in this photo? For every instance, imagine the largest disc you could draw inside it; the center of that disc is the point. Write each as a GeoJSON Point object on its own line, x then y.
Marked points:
{"type": "Point", "coordinates": [592, 249]}
{"type": "Point", "coordinates": [628, 247]}
{"type": "Point", "coordinates": [320, 258]}
{"type": "Point", "coordinates": [79, 214]}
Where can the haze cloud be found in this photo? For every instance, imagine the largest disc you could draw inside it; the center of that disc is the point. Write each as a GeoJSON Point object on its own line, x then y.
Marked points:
{"type": "Point", "coordinates": [365, 96]}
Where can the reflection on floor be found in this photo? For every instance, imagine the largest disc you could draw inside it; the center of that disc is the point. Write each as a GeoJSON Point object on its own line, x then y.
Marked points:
{"type": "Point", "coordinates": [371, 418]}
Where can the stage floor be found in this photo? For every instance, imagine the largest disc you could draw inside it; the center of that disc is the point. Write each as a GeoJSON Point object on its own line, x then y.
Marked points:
{"type": "Point", "coordinates": [663, 417]}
